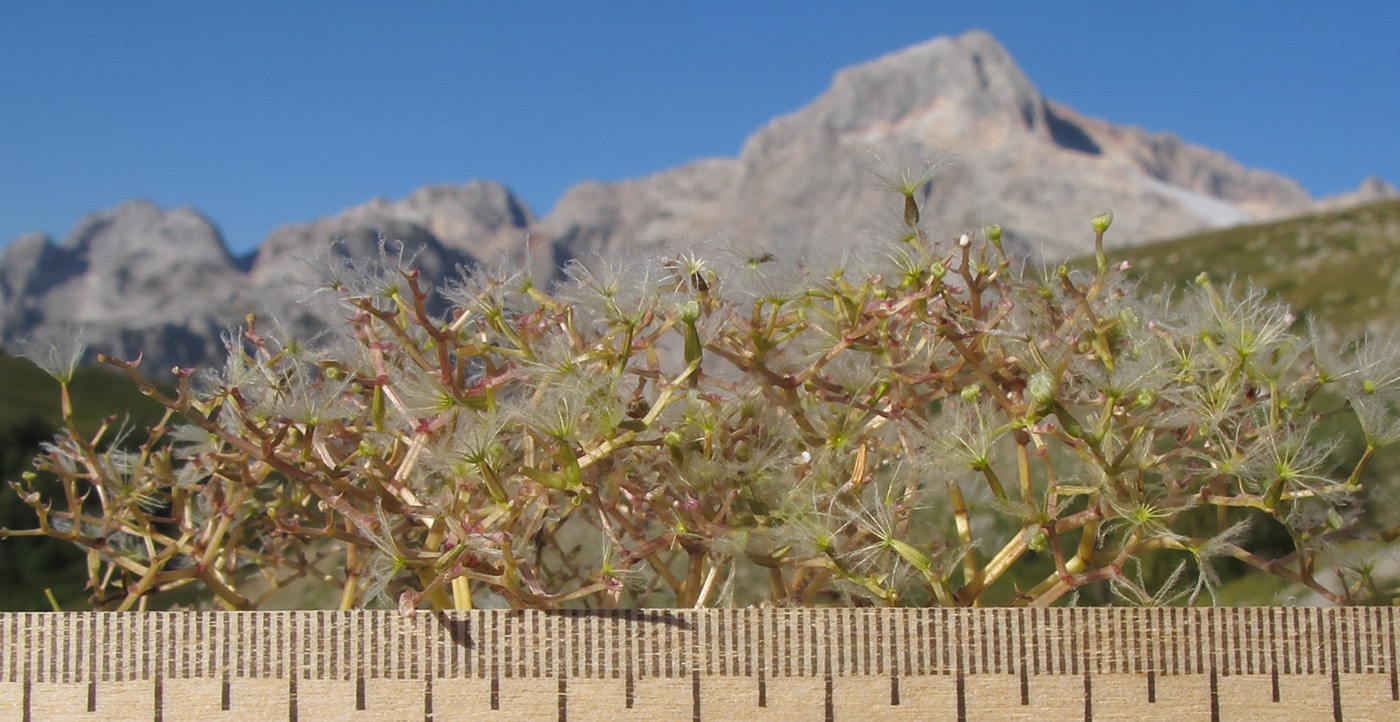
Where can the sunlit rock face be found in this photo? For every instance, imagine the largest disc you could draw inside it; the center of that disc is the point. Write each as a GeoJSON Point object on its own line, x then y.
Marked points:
{"type": "Point", "coordinates": [807, 181]}
{"type": "Point", "coordinates": [144, 281]}
{"type": "Point", "coordinates": [135, 277]}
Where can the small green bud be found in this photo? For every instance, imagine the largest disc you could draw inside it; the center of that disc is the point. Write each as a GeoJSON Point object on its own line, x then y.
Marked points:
{"type": "Point", "coordinates": [1102, 221]}
{"type": "Point", "coordinates": [1041, 387]}
{"type": "Point", "coordinates": [938, 271]}
{"type": "Point", "coordinates": [913, 556]}
{"type": "Point", "coordinates": [1039, 543]}
{"type": "Point", "coordinates": [971, 392]}
{"type": "Point", "coordinates": [1203, 279]}
{"type": "Point", "coordinates": [672, 439]}
{"type": "Point", "coordinates": [993, 233]}
{"type": "Point", "coordinates": [689, 311]}
{"type": "Point", "coordinates": [1144, 398]}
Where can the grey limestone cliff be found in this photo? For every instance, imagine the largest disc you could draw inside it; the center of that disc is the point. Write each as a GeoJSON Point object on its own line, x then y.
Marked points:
{"type": "Point", "coordinates": [806, 182]}
{"type": "Point", "coordinates": [141, 280]}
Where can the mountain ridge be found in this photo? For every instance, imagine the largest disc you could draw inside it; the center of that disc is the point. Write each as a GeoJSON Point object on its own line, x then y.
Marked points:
{"type": "Point", "coordinates": [146, 279]}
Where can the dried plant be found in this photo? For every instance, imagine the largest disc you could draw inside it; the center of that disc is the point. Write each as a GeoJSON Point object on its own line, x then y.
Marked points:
{"type": "Point", "coordinates": [929, 425]}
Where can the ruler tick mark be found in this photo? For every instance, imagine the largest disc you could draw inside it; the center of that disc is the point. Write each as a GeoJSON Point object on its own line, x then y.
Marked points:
{"type": "Point", "coordinates": [1394, 676]}
{"type": "Point", "coordinates": [159, 697]}
{"type": "Point", "coordinates": [1214, 697]}
{"type": "Point", "coordinates": [1088, 698]}
{"type": "Point", "coordinates": [1336, 695]}
{"type": "Point", "coordinates": [787, 642]}
{"type": "Point", "coordinates": [292, 699]}
{"type": "Point", "coordinates": [1336, 672]}
{"type": "Point", "coordinates": [962, 698]}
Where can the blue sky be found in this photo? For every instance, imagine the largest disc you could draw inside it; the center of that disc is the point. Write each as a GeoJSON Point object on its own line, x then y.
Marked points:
{"type": "Point", "coordinates": [262, 113]}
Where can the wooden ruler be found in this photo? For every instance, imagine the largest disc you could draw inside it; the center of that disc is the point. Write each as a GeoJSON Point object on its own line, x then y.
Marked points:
{"type": "Point", "coordinates": [749, 664]}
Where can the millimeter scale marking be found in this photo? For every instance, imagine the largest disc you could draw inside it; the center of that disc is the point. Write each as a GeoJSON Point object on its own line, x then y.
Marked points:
{"type": "Point", "coordinates": [1288, 663]}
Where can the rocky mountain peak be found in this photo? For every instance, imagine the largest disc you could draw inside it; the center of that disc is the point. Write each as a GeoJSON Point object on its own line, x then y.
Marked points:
{"type": "Point", "coordinates": [1376, 188]}
{"type": "Point", "coordinates": [1372, 189]}
{"type": "Point", "coordinates": [135, 251]}
{"type": "Point", "coordinates": [804, 181]}
{"type": "Point", "coordinates": [136, 276]}
{"type": "Point", "coordinates": [458, 215]}
{"type": "Point", "coordinates": [140, 228]}
{"type": "Point", "coordinates": [29, 260]}
{"type": "Point", "coordinates": [480, 219]}
{"type": "Point", "coordinates": [952, 81]}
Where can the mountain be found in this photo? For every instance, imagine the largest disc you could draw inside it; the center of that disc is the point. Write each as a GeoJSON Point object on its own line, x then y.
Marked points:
{"type": "Point", "coordinates": [452, 223]}
{"type": "Point", "coordinates": [1036, 167]}
{"type": "Point", "coordinates": [1371, 190]}
{"type": "Point", "coordinates": [138, 276]}
{"type": "Point", "coordinates": [143, 278]}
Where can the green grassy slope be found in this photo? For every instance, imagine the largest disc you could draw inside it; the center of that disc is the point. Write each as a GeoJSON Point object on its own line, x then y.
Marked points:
{"type": "Point", "coordinates": [1342, 266]}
